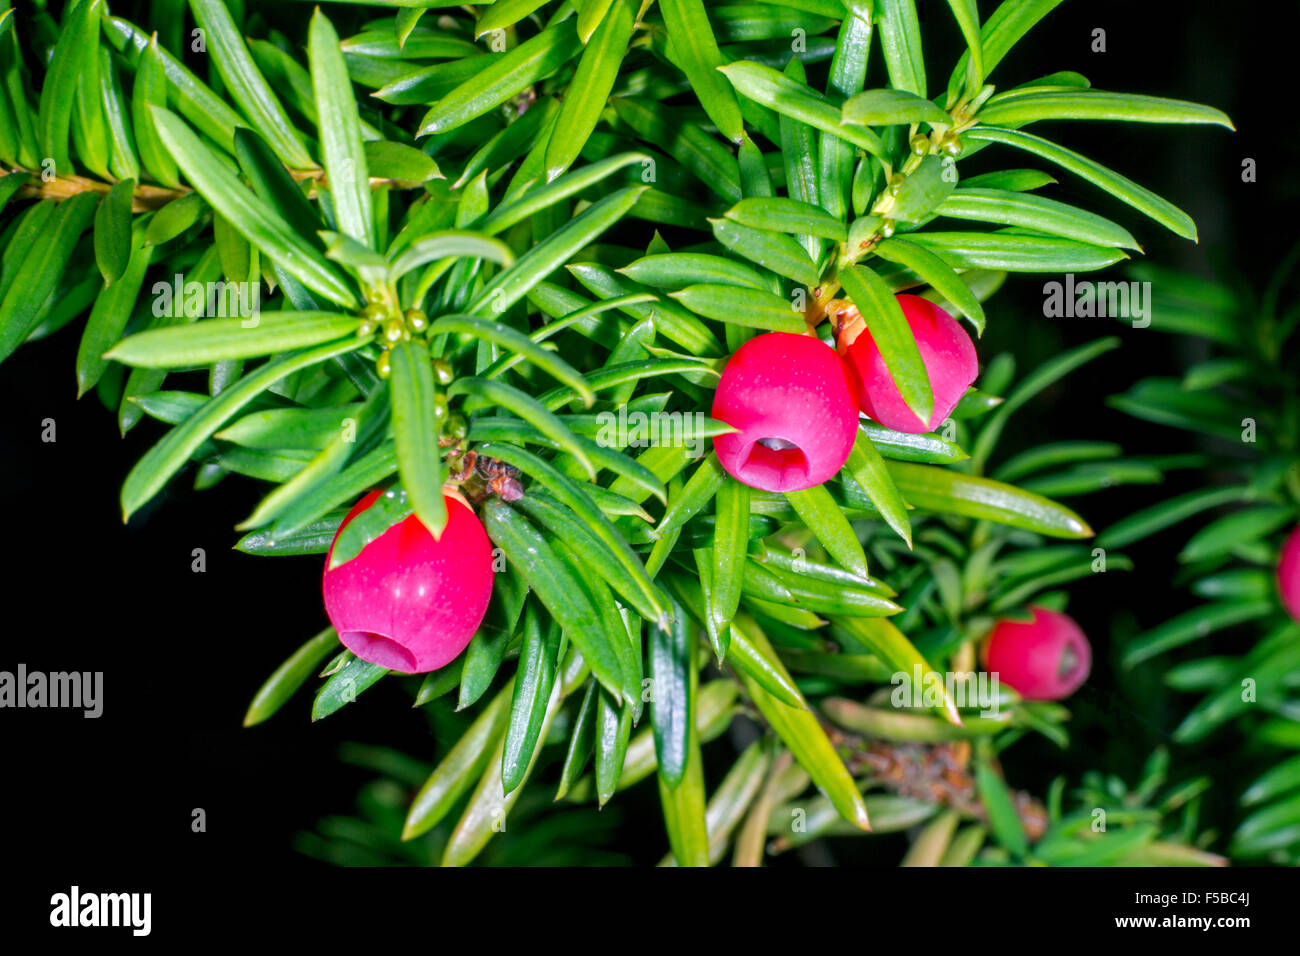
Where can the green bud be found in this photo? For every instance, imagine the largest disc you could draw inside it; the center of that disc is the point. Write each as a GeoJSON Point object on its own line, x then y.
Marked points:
{"type": "Point", "coordinates": [416, 320]}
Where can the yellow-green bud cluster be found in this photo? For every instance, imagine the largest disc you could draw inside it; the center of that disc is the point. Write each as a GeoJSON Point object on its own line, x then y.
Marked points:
{"type": "Point", "coordinates": [391, 330]}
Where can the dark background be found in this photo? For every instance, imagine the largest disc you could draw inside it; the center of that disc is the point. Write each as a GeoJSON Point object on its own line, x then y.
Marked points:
{"type": "Point", "coordinates": [183, 652]}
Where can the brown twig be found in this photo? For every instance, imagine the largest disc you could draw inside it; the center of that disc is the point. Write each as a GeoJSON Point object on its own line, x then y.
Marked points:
{"type": "Point", "coordinates": [59, 188]}
{"type": "Point", "coordinates": [147, 198]}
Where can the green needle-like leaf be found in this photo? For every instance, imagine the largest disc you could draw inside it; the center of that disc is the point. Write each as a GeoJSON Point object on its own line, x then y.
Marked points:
{"type": "Point", "coordinates": [501, 14]}
{"type": "Point", "coordinates": [1030, 106]}
{"type": "Point", "coordinates": [109, 315]}
{"type": "Point", "coordinates": [113, 231]}
{"type": "Point", "coordinates": [736, 305]}
{"type": "Point", "coordinates": [22, 139]}
{"type": "Point", "coordinates": [801, 155]}
{"type": "Point", "coordinates": [677, 270]}
{"type": "Point", "coordinates": [462, 765]}
{"type": "Point", "coordinates": [390, 508]}
{"type": "Point", "coordinates": [801, 732]}
{"type": "Point", "coordinates": [1122, 188]}
{"type": "Point", "coordinates": [340, 132]}
{"type": "Point", "coordinates": [248, 87]}
{"type": "Point", "coordinates": [519, 207]}
{"type": "Point", "coordinates": [1003, 819]}
{"type": "Point", "coordinates": [415, 433]}
{"type": "Point", "coordinates": [487, 650]}
{"type": "Point", "coordinates": [217, 340]}
{"type": "Point", "coordinates": [597, 71]}
{"type": "Point", "coordinates": [1003, 30]}
{"type": "Point", "coordinates": [900, 41]}
{"type": "Point", "coordinates": [507, 75]}
{"type": "Point", "coordinates": [868, 469]}
{"type": "Point", "coordinates": [1169, 512]}
{"type": "Point", "coordinates": [538, 662]}
{"type": "Point", "coordinates": [889, 107]}
{"type": "Point", "coordinates": [968, 19]}
{"type": "Point", "coordinates": [848, 74]}
{"type": "Point", "coordinates": [447, 244]}
{"type": "Point", "coordinates": [44, 259]}
{"type": "Point", "coordinates": [1196, 624]}
{"type": "Point", "coordinates": [771, 250]}
{"type": "Point", "coordinates": [315, 537]}
{"type": "Point", "coordinates": [582, 742]}
{"type": "Point", "coordinates": [541, 260]}
{"type": "Point", "coordinates": [695, 49]}
{"type": "Point", "coordinates": [523, 346]}
{"type": "Point", "coordinates": [254, 221]}
{"type": "Point", "coordinates": [945, 491]}
{"type": "Point", "coordinates": [321, 486]}
{"type": "Point", "coordinates": [943, 278]}
{"type": "Point", "coordinates": [646, 598]}
{"type": "Point", "coordinates": [150, 90]}
{"type": "Point", "coordinates": [789, 97]}
{"type": "Point", "coordinates": [1026, 211]}
{"type": "Point", "coordinates": [671, 664]}
{"type": "Point", "coordinates": [290, 676]}
{"type": "Point", "coordinates": [591, 14]}
{"type": "Point", "coordinates": [345, 685]}
{"type": "Point", "coordinates": [490, 392]}
{"type": "Point", "coordinates": [730, 543]}
{"type": "Point", "coordinates": [888, 327]}
{"type": "Point", "coordinates": [699, 151]}
{"type": "Point", "coordinates": [162, 461]}
{"type": "Point", "coordinates": [690, 500]}
{"type": "Point", "coordinates": [683, 802]}
{"type": "Point", "coordinates": [823, 516]}
{"type": "Point", "coordinates": [613, 731]}
{"type": "Point", "coordinates": [1016, 253]}
{"type": "Point", "coordinates": [208, 112]}
{"type": "Point", "coordinates": [58, 97]}
{"type": "Point", "coordinates": [788, 215]}
{"type": "Point", "coordinates": [530, 554]}
{"type": "Point", "coordinates": [883, 638]}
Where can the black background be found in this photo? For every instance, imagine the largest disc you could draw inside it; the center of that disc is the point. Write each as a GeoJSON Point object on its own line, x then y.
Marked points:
{"type": "Point", "coordinates": [183, 652]}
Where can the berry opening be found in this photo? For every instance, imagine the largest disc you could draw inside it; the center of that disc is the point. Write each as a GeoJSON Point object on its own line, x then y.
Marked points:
{"type": "Point", "coordinates": [1068, 662]}
{"type": "Point", "coordinates": [381, 650]}
{"type": "Point", "coordinates": [777, 460]}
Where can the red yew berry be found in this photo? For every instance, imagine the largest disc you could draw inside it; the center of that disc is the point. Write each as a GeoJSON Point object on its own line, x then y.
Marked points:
{"type": "Point", "coordinates": [409, 602]}
{"type": "Point", "coordinates": [946, 350]}
{"type": "Point", "coordinates": [1288, 574]}
{"type": "Point", "coordinates": [1045, 659]}
{"type": "Point", "coordinates": [792, 399]}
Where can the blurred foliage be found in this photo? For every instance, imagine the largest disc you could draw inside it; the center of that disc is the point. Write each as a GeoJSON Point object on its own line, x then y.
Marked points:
{"type": "Point", "coordinates": [1235, 647]}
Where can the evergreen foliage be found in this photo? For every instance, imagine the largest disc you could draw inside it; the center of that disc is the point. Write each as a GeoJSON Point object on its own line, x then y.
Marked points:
{"type": "Point", "coordinates": [405, 246]}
